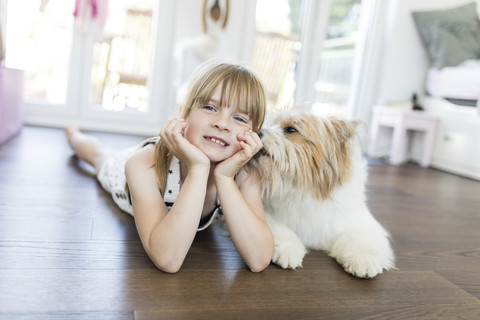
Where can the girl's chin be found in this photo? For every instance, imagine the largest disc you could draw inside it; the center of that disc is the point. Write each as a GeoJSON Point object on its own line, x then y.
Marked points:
{"type": "Point", "coordinates": [218, 154]}
{"type": "Point", "coordinates": [216, 157]}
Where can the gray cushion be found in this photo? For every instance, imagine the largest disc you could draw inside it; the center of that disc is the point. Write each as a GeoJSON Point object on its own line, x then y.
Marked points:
{"type": "Point", "coordinates": [451, 36]}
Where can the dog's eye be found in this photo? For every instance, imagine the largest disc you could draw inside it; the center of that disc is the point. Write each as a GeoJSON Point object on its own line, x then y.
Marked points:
{"type": "Point", "coordinates": [289, 130]}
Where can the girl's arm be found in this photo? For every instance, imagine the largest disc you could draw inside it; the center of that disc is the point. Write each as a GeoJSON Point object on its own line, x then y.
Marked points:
{"type": "Point", "coordinates": [166, 235]}
{"type": "Point", "coordinates": [240, 196]}
{"type": "Point", "coordinates": [245, 218]}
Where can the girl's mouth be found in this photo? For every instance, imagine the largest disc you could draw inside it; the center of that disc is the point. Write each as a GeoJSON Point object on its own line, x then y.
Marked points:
{"type": "Point", "coordinates": [217, 141]}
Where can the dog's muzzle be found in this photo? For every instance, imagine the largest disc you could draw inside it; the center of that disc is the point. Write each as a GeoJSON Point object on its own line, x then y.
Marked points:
{"type": "Point", "coordinates": [262, 152]}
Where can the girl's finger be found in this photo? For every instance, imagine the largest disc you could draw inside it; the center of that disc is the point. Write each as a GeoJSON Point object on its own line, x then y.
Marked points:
{"type": "Point", "coordinates": [253, 140]}
{"type": "Point", "coordinates": [246, 149]}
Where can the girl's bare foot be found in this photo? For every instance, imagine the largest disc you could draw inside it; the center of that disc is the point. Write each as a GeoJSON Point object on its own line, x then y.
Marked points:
{"type": "Point", "coordinates": [86, 147]}
{"type": "Point", "coordinates": [70, 130]}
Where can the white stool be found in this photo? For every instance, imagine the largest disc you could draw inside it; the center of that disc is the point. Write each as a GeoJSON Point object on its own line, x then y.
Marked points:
{"type": "Point", "coordinates": [402, 118]}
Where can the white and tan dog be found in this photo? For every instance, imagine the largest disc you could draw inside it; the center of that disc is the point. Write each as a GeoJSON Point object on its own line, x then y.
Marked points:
{"type": "Point", "coordinates": [314, 178]}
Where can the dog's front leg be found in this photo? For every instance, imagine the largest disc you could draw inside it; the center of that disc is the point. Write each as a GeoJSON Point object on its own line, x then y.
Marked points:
{"type": "Point", "coordinates": [289, 250]}
{"type": "Point", "coordinates": [363, 252]}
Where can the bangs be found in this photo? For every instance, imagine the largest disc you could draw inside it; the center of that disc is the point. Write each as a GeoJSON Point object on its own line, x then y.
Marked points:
{"type": "Point", "coordinates": [245, 92]}
{"type": "Point", "coordinates": [235, 93]}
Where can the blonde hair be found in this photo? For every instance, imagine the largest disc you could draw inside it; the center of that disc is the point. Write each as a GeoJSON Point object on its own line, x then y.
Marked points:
{"type": "Point", "coordinates": [240, 87]}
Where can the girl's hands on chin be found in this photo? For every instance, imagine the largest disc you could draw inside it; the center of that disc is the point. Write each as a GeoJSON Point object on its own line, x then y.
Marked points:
{"type": "Point", "coordinates": [172, 136]}
{"type": "Point", "coordinates": [250, 143]}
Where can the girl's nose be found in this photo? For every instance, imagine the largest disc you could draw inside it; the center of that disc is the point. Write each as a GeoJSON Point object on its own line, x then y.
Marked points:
{"type": "Point", "coordinates": [221, 122]}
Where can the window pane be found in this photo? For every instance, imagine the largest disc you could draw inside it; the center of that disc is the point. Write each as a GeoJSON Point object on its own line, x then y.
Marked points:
{"type": "Point", "coordinates": [121, 58]}
{"type": "Point", "coordinates": [277, 43]}
{"type": "Point", "coordinates": [39, 43]}
{"type": "Point", "coordinates": [336, 62]}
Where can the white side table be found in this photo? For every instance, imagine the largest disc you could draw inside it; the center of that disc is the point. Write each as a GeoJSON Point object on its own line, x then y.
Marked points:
{"type": "Point", "coordinates": [402, 118]}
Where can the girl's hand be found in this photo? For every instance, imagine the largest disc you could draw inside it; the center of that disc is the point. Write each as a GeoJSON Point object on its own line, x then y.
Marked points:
{"type": "Point", "coordinates": [251, 144]}
{"type": "Point", "coordinates": [172, 136]}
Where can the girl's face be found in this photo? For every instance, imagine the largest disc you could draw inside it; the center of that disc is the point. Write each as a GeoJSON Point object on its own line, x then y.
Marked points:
{"type": "Point", "coordinates": [214, 129]}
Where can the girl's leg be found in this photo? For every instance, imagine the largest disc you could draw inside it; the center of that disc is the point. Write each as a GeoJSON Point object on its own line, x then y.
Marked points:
{"type": "Point", "coordinates": [86, 147]}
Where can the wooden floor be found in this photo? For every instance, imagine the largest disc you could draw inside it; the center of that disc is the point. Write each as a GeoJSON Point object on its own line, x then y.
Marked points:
{"type": "Point", "coordinates": [66, 251]}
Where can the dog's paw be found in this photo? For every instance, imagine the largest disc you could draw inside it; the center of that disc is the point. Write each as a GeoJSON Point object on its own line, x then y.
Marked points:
{"type": "Point", "coordinates": [363, 259]}
{"type": "Point", "coordinates": [364, 266]}
{"type": "Point", "coordinates": [289, 255]}
{"type": "Point", "coordinates": [289, 250]}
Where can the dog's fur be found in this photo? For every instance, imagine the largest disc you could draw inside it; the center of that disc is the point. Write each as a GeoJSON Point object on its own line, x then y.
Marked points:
{"type": "Point", "coordinates": [314, 177]}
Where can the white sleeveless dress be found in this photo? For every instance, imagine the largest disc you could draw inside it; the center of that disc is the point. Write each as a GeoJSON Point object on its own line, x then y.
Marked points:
{"type": "Point", "coordinates": [112, 178]}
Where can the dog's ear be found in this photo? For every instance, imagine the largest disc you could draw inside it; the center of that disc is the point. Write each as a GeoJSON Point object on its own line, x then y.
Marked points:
{"type": "Point", "coordinates": [333, 159]}
{"type": "Point", "coordinates": [345, 129]}
{"type": "Point", "coordinates": [346, 134]}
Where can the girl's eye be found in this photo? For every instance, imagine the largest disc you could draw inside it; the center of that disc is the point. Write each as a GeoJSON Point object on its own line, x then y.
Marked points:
{"type": "Point", "coordinates": [209, 107]}
{"type": "Point", "coordinates": [240, 119]}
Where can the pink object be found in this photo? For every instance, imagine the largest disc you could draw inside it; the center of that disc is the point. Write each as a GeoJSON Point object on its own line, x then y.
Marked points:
{"type": "Point", "coordinates": [93, 3]}
{"type": "Point", "coordinates": [11, 102]}
{"type": "Point", "coordinates": [102, 12]}
{"type": "Point", "coordinates": [43, 4]}
{"type": "Point", "coordinates": [98, 10]}
{"type": "Point", "coordinates": [77, 8]}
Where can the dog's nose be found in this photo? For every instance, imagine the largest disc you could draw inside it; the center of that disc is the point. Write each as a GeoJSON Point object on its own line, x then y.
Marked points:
{"type": "Point", "coordinates": [260, 134]}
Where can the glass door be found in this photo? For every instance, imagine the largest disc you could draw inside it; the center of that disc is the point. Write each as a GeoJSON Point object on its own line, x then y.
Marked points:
{"type": "Point", "coordinates": [305, 51]}
{"type": "Point", "coordinates": [121, 58]}
{"type": "Point", "coordinates": [39, 41]}
{"type": "Point", "coordinates": [87, 63]}
{"type": "Point", "coordinates": [334, 75]}
{"type": "Point", "coordinates": [276, 49]}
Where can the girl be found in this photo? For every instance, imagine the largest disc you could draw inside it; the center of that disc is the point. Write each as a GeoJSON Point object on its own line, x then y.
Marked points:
{"type": "Point", "coordinates": [176, 183]}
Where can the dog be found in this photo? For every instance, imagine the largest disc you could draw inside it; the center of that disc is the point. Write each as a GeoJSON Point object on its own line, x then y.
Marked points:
{"type": "Point", "coordinates": [313, 175]}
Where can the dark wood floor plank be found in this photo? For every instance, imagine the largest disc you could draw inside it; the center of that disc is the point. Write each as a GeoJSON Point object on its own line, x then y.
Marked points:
{"type": "Point", "coordinates": [67, 252]}
{"type": "Point", "coordinates": [393, 311]}
{"type": "Point", "coordinates": [92, 255]}
{"type": "Point", "coordinates": [45, 228]}
{"type": "Point", "coordinates": [127, 290]}
{"type": "Point", "coordinates": [83, 315]}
